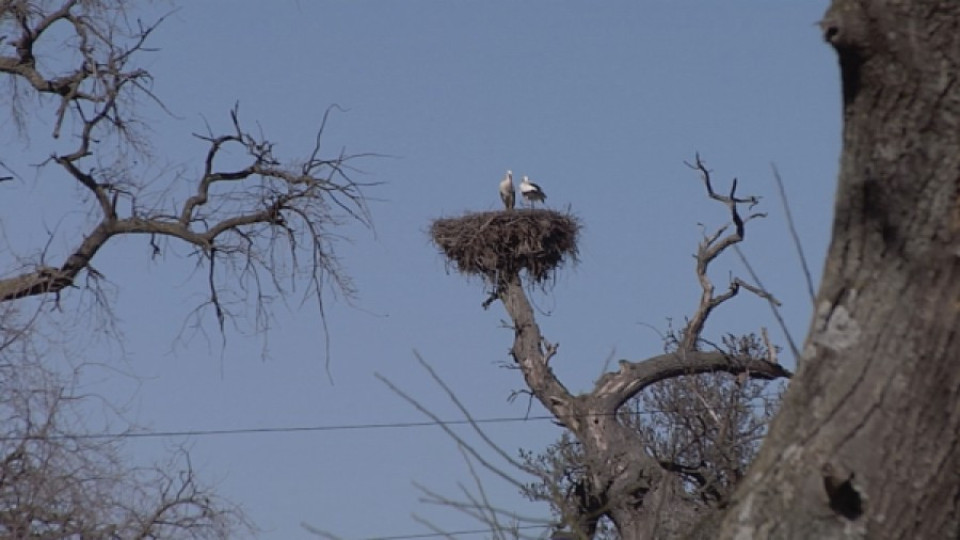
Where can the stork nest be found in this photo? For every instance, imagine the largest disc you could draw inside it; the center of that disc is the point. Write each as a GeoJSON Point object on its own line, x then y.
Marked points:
{"type": "Point", "coordinates": [496, 243]}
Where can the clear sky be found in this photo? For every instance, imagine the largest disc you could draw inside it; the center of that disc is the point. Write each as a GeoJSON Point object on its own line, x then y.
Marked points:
{"type": "Point", "coordinates": [599, 102]}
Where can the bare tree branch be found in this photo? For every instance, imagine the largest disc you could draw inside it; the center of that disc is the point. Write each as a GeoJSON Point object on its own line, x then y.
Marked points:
{"type": "Point", "coordinates": [533, 353]}
{"type": "Point", "coordinates": [794, 236]}
{"type": "Point", "coordinates": [774, 305]}
{"type": "Point", "coordinates": [617, 476]}
{"type": "Point", "coordinates": [709, 249]}
{"type": "Point", "coordinates": [617, 387]}
{"type": "Point", "coordinates": [463, 444]}
{"type": "Point", "coordinates": [57, 483]}
{"type": "Point", "coordinates": [264, 218]}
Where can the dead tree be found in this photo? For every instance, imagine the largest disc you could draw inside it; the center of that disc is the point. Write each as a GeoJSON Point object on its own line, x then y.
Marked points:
{"type": "Point", "coordinates": [59, 481]}
{"type": "Point", "coordinates": [255, 227]}
{"type": "Point", "coordinates": [620, 478]}
{"type": "Point", "coordinates": [255, 223]}
{"type": "Point", "coordinates": [704, 429]}
{"type": "Point", "coordinates": [866, 444]}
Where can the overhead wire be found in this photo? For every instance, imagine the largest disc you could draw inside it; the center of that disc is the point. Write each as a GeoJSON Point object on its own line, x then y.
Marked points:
{"type": "Point", "coordinates": [133, 434]}
{"type": "Point", "coordinates": [448, 533]}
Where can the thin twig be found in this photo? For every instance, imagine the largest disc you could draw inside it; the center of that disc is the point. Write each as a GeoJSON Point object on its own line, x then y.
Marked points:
{"type": "Point", "coordinates": [773, 306]}
{"type": "Point", "coordinates": [793, 234]}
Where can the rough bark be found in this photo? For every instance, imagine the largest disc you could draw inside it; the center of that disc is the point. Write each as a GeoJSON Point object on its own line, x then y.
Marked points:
{"type": "Point", "coordinates": [867, 444]}
{"type": "Point", "coordinates": [622, 480]}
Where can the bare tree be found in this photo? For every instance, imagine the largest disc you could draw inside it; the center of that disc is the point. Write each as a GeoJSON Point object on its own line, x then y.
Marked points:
{"type": "Point", "coordinates": [60, 481]}
{"type": "Point", "coordinates": [704, 430]}
{"type": "Point", "coordinates": [473, 501]}
{"type": "Point", "coordinates": [258, 225]}
{"type": "Point", "coordinates": [618, 478]}
{"type": "Point", "coordinates": [254, 226]}
{"type": "Point", "coordinates": [866, 443]}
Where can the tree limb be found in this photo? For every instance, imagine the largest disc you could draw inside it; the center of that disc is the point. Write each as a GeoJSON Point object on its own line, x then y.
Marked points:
{"type": "Point", "coordinates": [533, 358]}
{"type": "Point", "coordinates": [615, 388]}
{"type": "Point", "coordinates": [709, 249]}
{"type": "Point", "coordinates": [264, 216]}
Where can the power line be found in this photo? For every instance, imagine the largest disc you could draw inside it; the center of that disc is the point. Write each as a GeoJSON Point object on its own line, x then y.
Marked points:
{"type": "Point", "coordinates": [450, 533]}
{"type": "Point", "coordinates": [281, 429]}
{"type": "Point", "coordinates": [307, 429]}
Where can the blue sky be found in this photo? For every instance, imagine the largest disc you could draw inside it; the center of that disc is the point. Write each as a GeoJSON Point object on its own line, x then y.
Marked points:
{"type": "Point", "coordinates": [600, 103]}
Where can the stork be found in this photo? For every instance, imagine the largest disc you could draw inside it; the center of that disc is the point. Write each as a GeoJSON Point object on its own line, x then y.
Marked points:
{"type": "Point", "coordinates": [507, 195]}
{"type": "Point", "coordinates": [531, 192]}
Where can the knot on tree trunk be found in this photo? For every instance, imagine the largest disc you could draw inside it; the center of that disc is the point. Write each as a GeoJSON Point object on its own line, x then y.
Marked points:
{"type": "Point", "coordinates": [493, 244]}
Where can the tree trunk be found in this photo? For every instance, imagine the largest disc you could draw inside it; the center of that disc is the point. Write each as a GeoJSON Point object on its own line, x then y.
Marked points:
{"type": "Point", "coordinates": [867, 444]}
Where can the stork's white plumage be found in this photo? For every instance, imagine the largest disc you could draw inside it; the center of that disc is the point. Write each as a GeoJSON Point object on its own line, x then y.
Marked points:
{"type": "Point", "coordinates": [531, 191]}
{"type": "Point", "coordinates": [507, 195]}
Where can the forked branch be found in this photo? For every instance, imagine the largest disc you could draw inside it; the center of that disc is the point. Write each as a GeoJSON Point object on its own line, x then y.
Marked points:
{"type": "Point", "coordinates": [615, 388]}
{"type": "Point", "coordinates": [300, 204]}
{"type": "Point", "coordinates": [711, 247]}
{"type": "Point", "coordinates": [267, 222]}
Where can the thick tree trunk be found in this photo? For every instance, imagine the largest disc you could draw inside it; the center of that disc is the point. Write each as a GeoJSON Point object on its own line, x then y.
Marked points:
{"type": "Point", "coordinates": [867, 444]}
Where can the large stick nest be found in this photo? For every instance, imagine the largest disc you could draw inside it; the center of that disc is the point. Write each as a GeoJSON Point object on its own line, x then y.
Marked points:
{"type": "Point", "coordinates": [490, 244]}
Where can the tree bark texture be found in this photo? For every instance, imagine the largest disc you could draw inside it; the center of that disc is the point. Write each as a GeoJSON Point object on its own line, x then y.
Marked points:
{"type": "Point", "coordinates": [867, 444]}
{"type": "Point", "coordinates": [622, 481]}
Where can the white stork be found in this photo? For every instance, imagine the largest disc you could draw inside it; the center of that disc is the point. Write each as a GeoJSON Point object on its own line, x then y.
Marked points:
{"type": "Point", "coordinates": [531, 192]}
{"type": "Point", "coordinates": [507, 195]}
